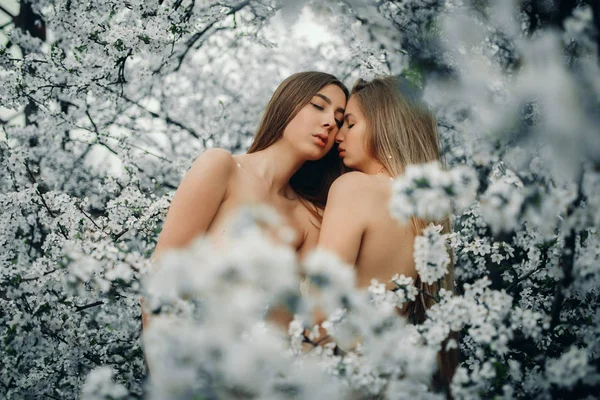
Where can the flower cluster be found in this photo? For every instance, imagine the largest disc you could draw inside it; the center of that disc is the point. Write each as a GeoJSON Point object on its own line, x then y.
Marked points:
{"type": "Point", "coordinates": [431, 254]}
{"type": "Point", "coordinates": [211, 330]}
{"type": "Point", "coordinates": [428, 192]}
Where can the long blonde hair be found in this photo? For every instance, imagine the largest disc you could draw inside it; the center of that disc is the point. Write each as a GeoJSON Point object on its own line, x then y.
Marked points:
{"type": "Point", "coordinates": [402, 127]}
{"type": "Point", "coordinates": [313, 180]}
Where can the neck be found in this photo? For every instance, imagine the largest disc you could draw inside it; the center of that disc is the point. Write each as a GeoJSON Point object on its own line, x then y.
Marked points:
{"type": "Point", "coordinates": [276, 165]}
{"type": "Point", "coordinates": [375, 168]}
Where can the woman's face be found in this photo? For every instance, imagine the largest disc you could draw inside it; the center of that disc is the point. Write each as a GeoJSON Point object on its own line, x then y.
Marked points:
{"type": "Point", "coordinates": [313, 129]}
{"type": "Point", "coordinates": [352, 137]}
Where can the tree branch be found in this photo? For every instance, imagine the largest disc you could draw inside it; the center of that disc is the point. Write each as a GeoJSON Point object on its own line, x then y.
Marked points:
{"type": "Point", "coordinates": [85, 307]}
{"type": "Point", "coordinates": [567, 259]}
{"type": "Point", "coordinates": [5, 11]}
{"type": "Point", "coordinates": [6, 121]}
{"type": "Point", "coordinates": [196, 36]}
{"type": "Point", "coordinates": [60, 227]}
{"type": "Point", "coordinates": [38, 277]}
{"type": "Point", "coordinates": [515, 284]}
{"type": "Point", "coordinates": [88, 217]}
{"type": "Point", "coordinates": [9, 23]}
{"type": "Point", "coordinates": [155, 115]}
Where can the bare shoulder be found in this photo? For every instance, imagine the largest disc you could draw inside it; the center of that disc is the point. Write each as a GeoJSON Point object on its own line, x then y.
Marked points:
{"type": "Point", "coordinates": [210, 173]}
{"type": "Point", "coordinates": [350, 180]}
{"type": "Point", "coordinates": [197, 199]}
{"type": "Point", "coordinates": [353, 186]}
{"type": "Point", "coordinates": [216, 162]}
{"type": "Point", "coordinates": [216, 157]}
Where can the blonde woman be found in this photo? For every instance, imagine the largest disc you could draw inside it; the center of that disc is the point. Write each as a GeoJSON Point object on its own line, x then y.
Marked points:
{"type": "Point", "coordinates": [385, 129]}
{"type": "Point", "coordinates": [289, 166]}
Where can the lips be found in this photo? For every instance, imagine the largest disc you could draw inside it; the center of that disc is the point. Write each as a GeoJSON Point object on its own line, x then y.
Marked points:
{"type": "Point", "coordinates": [341, 152]}
{"type": "Point", "coordinates": [321, 139]}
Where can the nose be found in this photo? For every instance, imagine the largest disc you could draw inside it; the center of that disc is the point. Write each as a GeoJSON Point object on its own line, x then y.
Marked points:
{"type": "Point", "coordinates": [339, 137]}
{"type": "Point", "coordinates": [329, 121]}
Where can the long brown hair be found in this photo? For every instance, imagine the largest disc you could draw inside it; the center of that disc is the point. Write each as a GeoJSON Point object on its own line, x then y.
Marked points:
{"type": "Point", "coordinates": [402, 127]}
{"type": "Point", "coordinates": [313, 180]}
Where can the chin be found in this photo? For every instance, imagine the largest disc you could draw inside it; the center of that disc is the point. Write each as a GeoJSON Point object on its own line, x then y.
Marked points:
{"type": "Point", "coordinates": [318, 157]}
{"type": "Point", "coordinates": [315, 154]}
{"type": "Point", "coordinates": [348, 163]}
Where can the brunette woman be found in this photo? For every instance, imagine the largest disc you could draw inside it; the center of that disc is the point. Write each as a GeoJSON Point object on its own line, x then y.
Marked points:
{"type": "Point", "coordinates": [289, 166]}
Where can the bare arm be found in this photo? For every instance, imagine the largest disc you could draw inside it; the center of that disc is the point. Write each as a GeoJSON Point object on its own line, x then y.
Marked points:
{"type": "Point", "coordinates": [344, 224]}
{"type": "Point", "coordinates": [196, 200]}
{"type": "Point", "coordinates": [194, 204]}
{"type": "Point", "coordinates": [344, 221]}
{"type": "Point", "coordinates": [341, 232]}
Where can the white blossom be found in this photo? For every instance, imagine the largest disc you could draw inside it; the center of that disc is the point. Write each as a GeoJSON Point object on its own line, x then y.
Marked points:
{"type": "Point", "coordinates": [431, 255]}
{"type": "Point", "coordinates": [569, 368]}
{"type": "Point", "coordinates": [426, 191]}
{"type": "Point", "coordinates": [99, 386]}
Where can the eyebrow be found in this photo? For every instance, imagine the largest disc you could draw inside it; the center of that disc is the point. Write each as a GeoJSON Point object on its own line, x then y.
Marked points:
{"type": "Point", "coordinates": [346, 116]}
{"type": "Point", "coordinates": [328, 101]}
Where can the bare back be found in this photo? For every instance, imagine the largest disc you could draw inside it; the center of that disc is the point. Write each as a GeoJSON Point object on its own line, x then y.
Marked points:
{"type": "Point", "coordinates": [357, 225]}
{"type": "Point", "coordinates": [387, 246]}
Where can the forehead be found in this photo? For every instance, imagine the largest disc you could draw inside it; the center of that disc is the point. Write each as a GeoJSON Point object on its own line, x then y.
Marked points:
{"type": "Point", "coordinates": [335, 94]}
{"type": "Point", "coordinates": [353, 107]}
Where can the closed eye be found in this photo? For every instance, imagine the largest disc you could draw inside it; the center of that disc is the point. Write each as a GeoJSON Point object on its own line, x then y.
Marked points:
{"type": "Point", "coordinates": [318, 107]}
{"type": "Point", "coordinates": [339, 123]}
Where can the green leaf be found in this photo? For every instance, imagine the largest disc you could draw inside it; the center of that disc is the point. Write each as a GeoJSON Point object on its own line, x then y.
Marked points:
{"type": "Point", "coordinates": [144, 38]}
{"type": "Point", "coordinates": [119, 45]}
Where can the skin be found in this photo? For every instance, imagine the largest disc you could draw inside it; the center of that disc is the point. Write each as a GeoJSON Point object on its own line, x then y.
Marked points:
{"type": "Point", "coordinates": [215, 185]}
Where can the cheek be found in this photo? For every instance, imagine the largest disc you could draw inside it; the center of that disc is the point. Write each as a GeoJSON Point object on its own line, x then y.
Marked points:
{"type": "Point", "coordinates": [353, 140]}
{"type": "Point", "coordinates": [357, 142]}
{"type": "Point", "coordinates": [293, 128]}
{"type": "Point", "coordinates": [298, 121]}
{"type": "Point", "coordinates": [303, 117]}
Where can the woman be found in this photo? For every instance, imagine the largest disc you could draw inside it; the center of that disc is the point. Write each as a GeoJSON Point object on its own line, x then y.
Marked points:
{"type": "Point", "coordinates": [385, 129]}
{"type": "Point", "coordinates": [289, 166]}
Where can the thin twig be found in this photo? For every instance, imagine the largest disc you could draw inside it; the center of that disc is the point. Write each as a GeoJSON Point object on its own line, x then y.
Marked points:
{"type": "Point", "coordinates": [5, 11]}
{"type": "Point", "coordinates": [136, 146]}
{"type": "Point", "coordinates": [81, 308]}
{"type": "Point", "coordinates": [61, 228]}
{"type": "Point", "coordinates": [38, 277]}
{"type": "Point", "coordinates": [527, 275]}
{"type": "Point", "coordinates": [195, 37]}
{"type": "Point", "coordinates": [88, 217]}
{"type": "Point", "coordinates": [155, 115]}
{"type": "Point", "coordinates": [6, 121]}
{"type": "Point", "coordinates": [567, 258]}
{"type": "Point", "coordinates": [398, 287]}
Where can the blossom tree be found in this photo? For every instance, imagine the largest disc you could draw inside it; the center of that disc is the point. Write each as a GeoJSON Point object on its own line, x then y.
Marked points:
{"type": "Point", "coordinates": [108, 103]}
